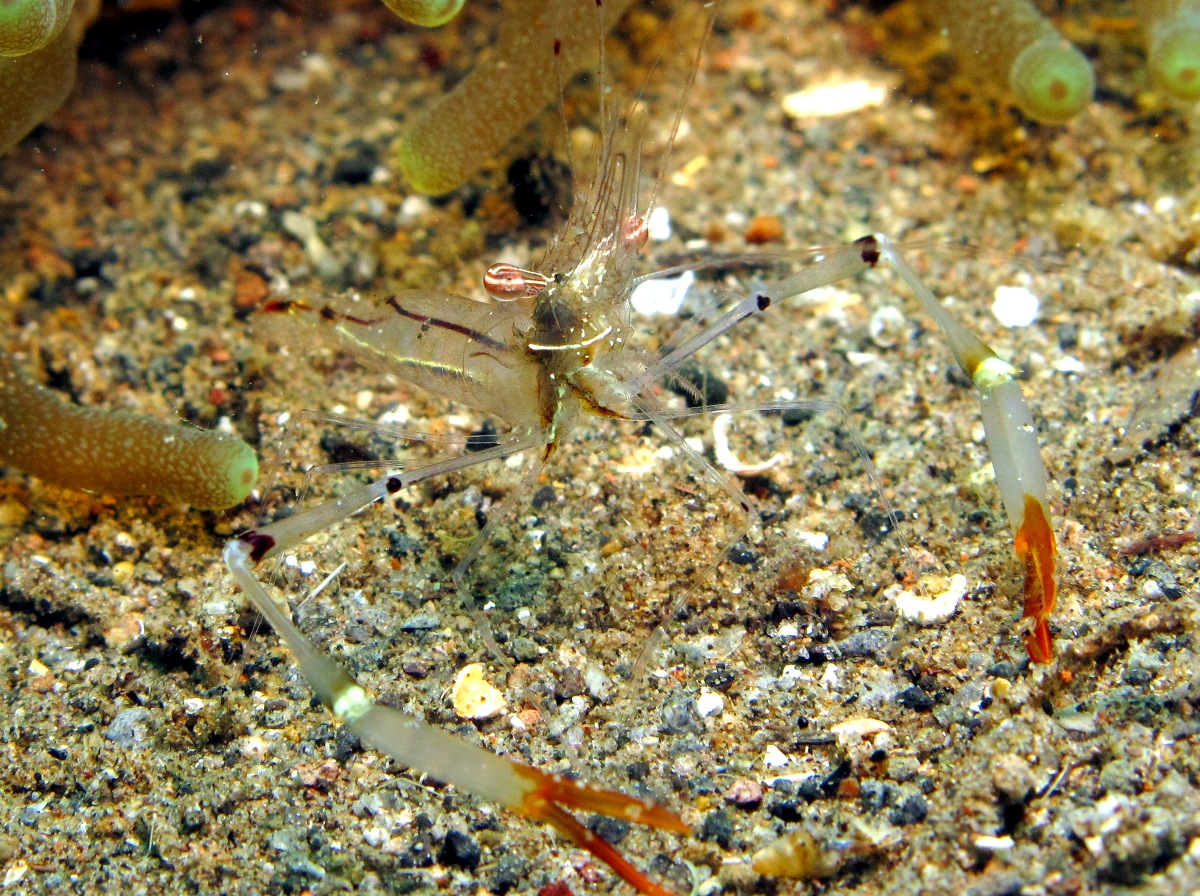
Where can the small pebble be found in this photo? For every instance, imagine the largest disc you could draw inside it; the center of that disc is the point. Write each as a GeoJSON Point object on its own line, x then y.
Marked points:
{"type": "Point", "coordinates": [914, 809]}
{"type": "Point", "coordinates": [1015, 306]}
{"type": "Point", "coordinates": [763, 229]}
{"type": "Point", "coordinates": [744, 793]}
{"type": "Point", "coordinates": [460, 850]}
{"type": "Point", "coordinates": [130, 728]}
{"type": "Point", "coordinates": [709, 703]}
{"type": "Point", "coordinates": [915, 698]}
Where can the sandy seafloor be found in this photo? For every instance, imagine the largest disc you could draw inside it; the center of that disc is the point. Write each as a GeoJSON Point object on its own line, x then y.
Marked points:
{"type": "Point", "coordinates": [146, 219]}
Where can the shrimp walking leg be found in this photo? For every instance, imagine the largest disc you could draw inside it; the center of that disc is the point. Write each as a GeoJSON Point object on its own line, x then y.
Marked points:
{"type": "Point", "coordinates": [525, 790]}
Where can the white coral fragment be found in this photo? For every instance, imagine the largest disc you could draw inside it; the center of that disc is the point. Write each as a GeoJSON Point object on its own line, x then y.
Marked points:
{"type": "Point", "coordinates": [932, 610]}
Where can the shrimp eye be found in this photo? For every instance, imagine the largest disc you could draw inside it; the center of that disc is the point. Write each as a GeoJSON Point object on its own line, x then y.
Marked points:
{"type": "Point", "coordinates": [505, 282]}
{"type": "Point", "coordinates": [635, 232]}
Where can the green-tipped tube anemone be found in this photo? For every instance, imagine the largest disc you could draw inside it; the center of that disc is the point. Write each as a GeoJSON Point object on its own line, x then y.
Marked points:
{"type": "Point", "coordinates": [451, 140]}
{"type": "Point", "coordinates": [28, 25]}
{"type": "Point", "coordinates": [117, 452]}
{"type": "Point", "coordinates": [1172, 33]}
{"type": "Point", "coordinates": [1010, 43]}
{"type": "Point", "coordinates": [426, 13]}
{"type": "Point", "coordinates": [36, 83]}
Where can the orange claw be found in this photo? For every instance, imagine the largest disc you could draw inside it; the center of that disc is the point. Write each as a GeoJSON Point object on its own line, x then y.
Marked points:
{"type": "Point", "coordinates": [551, 794]}
{"type": "Point", "coordinates": [1035, 548]}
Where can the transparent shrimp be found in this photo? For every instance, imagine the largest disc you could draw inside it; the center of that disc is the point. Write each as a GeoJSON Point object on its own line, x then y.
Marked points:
{"type": "Point", "coordinates": [556, 350]}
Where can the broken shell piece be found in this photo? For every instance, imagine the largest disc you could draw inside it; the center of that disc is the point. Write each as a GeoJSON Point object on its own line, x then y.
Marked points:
{"type": "Point", "coordinates": [773, 757]}
{"type": "Point", "coordinates": [932, 610]}
{"type": "Point", "coordinates": [727, 459]}
{"type": "Point", "coordinates": [798, 855]}
{"type": "Point", "coordinates": [985, 843]}
{"type": "Point", "coordinates": [859, 728]}
{"type": "Point", "coordinates": [473, 697]}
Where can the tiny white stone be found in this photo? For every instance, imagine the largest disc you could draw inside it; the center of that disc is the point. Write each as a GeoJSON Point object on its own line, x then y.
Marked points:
{"type": "Point", "coordinates": [374, 836]}
{"type": "Point", "coordinates": [414, 207]}
{"type": "Point", "coordinates": [1015, 306]}
{"type": "Point", "coordinates": [1069, 364]}
{"type": "Point", "coordinates": [787, 630]}
{"type": "Point", "coordinates": [887, 326]}
{"type": "Point", "coordinates": [710, 703]}
{"type": "Point", "coordinates": [193, 705]}
{"type": "Point", "coordinates": [773, 757]}
{"type": "Point", "coordinates": [1164, 204]}
{"type": "Point", "coordinates": [818, 541]}
{"type": "Point", "coordinates": [829, 679]}
{"type": "Point", "coordinates": [394, 416]}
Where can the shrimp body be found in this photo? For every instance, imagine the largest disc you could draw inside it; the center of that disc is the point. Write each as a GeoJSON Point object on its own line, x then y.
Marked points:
{"type": "Point", "coordinates": [449, 345]}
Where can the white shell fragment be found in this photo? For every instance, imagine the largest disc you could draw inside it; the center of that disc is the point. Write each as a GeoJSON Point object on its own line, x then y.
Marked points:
{"type": "Point", "coordinates": [932, 610]}
{"type": "Point", "coordinates": [1015, 306]}
{"type": "Point", "coordinates": [834, 98]}
{"type": "Point", "coordinates": [474, 697]}
{"type": "Point", "coordinates": [985, 843]}
{"type": "Point", "coordinates": [860, 728]}
{"type": "Point", "coordinates": [725, 456]}
{"type": "Point", "coordinates": [773, 757]}
{"type": "Point", "coordinates": [663, 295]}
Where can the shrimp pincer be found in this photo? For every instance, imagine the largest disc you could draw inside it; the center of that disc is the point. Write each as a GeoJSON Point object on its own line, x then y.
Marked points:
{"type": "Point", "coordinates": [1012, 442]}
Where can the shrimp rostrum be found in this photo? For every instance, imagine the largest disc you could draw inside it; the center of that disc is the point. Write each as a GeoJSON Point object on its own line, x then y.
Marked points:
{"type": "Point", "coordinates": [551, 352]}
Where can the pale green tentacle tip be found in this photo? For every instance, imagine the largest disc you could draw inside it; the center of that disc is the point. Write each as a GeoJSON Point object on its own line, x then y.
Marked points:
{"type": "Point", "coordinates": [234, 478]}
{"type": "Point", "coordinates": [426, 13]}
{"type": "Point", "coordinates": [1175, 57]}
{"type": "Point", "coordinates": [1053, 82]}
{"type": "Point", "coordinates": [28, 25]}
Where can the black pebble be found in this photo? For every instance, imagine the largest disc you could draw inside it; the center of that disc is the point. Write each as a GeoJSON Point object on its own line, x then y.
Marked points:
{"type": "Point", "coordinates": [718, 826]}
{"type": "Point", "coordinates": [911, 811]}
{"type": "Point", "coordinates": [915, 698]}
{"type": "Point", "coordinates": [459, 849]}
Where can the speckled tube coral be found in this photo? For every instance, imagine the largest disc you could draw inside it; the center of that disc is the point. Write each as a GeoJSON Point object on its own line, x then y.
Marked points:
{"type": "Point", "coordinates": [449, 141]}
{"type": "Point", "coordinates": [1172, 33]}
{"type": "Point", "coordinates": [117, 452]}
{"type": "Point", "coordinates": [1010, 43]}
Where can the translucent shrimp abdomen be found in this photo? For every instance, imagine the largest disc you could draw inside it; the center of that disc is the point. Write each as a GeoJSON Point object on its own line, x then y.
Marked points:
{"type": "Point", "coordinates": [470, 352]}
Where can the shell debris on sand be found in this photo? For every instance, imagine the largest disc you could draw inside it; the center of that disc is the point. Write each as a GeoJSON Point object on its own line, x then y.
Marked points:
{"type": "Point", "coordinates": [931, 610]}
{"type": "Point", "coordinates": [473, 696]}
